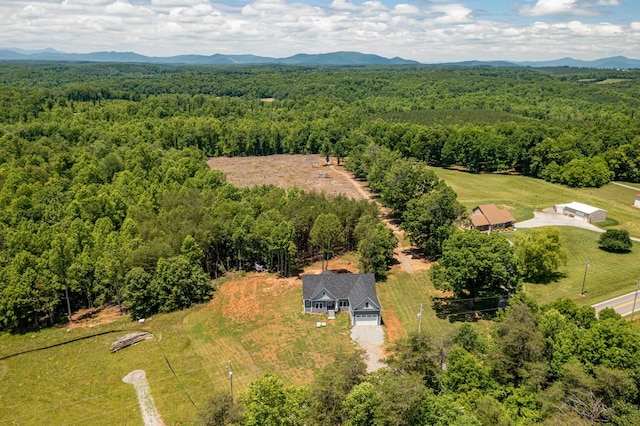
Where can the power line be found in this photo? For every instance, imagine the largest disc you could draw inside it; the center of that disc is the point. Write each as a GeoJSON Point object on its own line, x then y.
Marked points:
{"type": "Point", "coordinates": [177, 378]}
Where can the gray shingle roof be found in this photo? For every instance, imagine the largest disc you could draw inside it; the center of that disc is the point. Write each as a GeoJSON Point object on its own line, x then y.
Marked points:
{"type": "Point", "coordinates": [355, 287]}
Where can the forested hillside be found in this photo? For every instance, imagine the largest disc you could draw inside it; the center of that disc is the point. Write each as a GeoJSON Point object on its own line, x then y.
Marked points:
{"type": "Point", "coordinates": [105, 195]}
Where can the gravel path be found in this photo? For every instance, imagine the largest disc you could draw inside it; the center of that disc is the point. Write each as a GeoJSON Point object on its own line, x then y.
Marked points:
{"type": "Point", "coordinates": [150, 414]}
{"type": "Point", "coordinates": [370, 338]}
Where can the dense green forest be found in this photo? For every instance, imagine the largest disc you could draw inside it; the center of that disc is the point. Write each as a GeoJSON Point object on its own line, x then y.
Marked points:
{"type": "Point", "coordinates": [106, 197]}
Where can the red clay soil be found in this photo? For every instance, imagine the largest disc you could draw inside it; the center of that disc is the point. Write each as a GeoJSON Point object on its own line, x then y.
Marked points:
{"type": "Point", "coordinates": [87, 318]}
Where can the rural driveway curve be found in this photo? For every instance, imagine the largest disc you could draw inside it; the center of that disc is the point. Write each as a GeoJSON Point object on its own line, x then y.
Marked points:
{"type": "Point", "coordinates": [548, 217]}
{"type": "Point", "coordinates": [370, 338]}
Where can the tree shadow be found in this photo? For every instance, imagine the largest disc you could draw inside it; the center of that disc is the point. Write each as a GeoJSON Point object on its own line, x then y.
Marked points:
{"type": "Point", "coordinates": [548, 279]}
{"type": "Point", "coordinates": [468, 310]}
{"type": "Point", "coordinates": [417, 254]}
{"type": "Point", "coordinates": [616, 251]}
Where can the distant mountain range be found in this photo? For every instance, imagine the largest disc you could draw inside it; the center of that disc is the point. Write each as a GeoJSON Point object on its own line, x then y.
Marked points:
{"type": "Point", "coordinates": [615, 62]}
{"type": "Point", "coordinates": [335, 58]}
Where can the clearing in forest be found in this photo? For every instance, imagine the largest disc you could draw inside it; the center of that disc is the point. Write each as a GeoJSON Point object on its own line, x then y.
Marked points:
{"type": "Point", "coordinates": [308, 172]}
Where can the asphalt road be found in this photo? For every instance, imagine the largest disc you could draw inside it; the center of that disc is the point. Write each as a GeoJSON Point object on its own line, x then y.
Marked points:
{"type": "Point", "coordinates": [622, 304]}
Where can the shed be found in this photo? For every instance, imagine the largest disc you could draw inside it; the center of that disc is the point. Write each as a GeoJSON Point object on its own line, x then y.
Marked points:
{"type": "Point", "coordinates": [582, 211]}
{"type": "Point", "coordinates": [329, 293]}
{"type": "Point", "coordinates": [637, 202]}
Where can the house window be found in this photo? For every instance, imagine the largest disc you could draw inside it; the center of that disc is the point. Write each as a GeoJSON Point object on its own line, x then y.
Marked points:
{"type": "Point", "coordinates": [344, 303]}
{"type": "Point", "coordinates": [307, 303]}
{"type": "Point", "coordinates": [366, 305]}
{"type": "Point", "coordinates": [319, 305]}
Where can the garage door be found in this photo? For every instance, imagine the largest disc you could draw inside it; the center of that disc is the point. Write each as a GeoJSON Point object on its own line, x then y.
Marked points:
{"type": "Point", "coordinates": [366, 319]}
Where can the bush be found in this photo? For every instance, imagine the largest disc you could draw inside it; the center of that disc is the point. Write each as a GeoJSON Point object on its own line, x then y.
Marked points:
{"type": "Point", "coordinates": [616, 240]}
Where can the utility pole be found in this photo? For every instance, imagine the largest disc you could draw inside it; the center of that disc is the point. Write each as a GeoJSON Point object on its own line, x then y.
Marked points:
{"type": "Point", "coordinates": [586, 268]}
{"type": "Point", "coordinates": [633, 310]}
{"type": "Point", "coordinates": [420, 319]}
{"type": "Point", "coordinates": [230, 379]}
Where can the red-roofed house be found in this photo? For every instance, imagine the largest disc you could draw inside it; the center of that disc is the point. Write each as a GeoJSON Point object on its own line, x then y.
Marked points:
{"type": "Point", "coordinates": [488, 217]}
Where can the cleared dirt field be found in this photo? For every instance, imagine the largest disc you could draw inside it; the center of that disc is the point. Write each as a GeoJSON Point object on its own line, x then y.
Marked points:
{"type": "Point", "coordinates": [309, 172]}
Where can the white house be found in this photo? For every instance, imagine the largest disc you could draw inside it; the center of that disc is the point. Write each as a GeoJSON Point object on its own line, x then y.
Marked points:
{"type": "Point", "coordinates": [637, 203]}
{"type": "Point", "coordinates": [582, 211]}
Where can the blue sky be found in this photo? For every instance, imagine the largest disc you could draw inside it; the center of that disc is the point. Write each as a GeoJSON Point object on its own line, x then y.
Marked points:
{"type": "Point", "coordinates": [429, 31]}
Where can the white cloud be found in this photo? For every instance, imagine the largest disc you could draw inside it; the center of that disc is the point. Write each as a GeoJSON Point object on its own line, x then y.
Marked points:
{"type": "Point", "coordinates": [609, 3]}
{"type": "Point", "coordinates": [85, 2]}
{"type": "Point", "coordinates": [120, 8]}
{"type": "Point", "coordinates": [555, 7]}
{"type": "Point", "coordinates": [406, 9]}
{"type": "Point", "coordinates": [451, 14]}
{"type": "Point", "coordinates": [31, 11]}
{"type": "Point", "coordinates": [428, 31]}
{"type": "Point", "coordinates": [177, 3]}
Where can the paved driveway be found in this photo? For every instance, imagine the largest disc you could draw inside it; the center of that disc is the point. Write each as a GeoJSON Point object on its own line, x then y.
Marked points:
{"type": "Point", "coordinates": [548, 217]}
{"type": "Point", "coordinates": [370, 338]}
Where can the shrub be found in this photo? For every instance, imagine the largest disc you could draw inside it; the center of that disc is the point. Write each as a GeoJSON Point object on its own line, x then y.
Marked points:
{"type": "Point", "coordinates": [615, 240]}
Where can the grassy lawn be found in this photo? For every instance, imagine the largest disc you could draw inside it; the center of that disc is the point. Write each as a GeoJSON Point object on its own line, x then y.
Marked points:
{"type": "Point", "coordinates": [81, 382]}
{"type": "Point", "coordinates": [525, 195]}
{"type": "Point", "coordinates": [401, 296]}
{"type": "Point", "coordinates": [255, 322]}
{"type": "Point", "coordinates": [608, 275]}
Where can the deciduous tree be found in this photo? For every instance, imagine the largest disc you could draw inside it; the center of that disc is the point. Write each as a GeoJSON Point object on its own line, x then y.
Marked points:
{"type": "Point", "coordinates": [540, 253]}
{"type": "Point", "coordinates": [476, 264]}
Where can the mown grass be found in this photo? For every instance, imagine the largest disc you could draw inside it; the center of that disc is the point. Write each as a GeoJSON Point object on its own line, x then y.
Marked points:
{"type": "Point", "coordinates": [608, 275]}
{"type": "Point", "coordinates": [403, 293]}
{"type": "Point", "coordinates": [81, 382]}
{"type": "Point", "coordinates": [525, 195]}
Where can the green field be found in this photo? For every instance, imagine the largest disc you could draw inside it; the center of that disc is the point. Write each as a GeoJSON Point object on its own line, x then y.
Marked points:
{"type": "Point", "coordinates": [526, 194]}
{"type": "Point", "coordinates": [81, 382]}
{"type": "Point", "coordinates": [608, 274]}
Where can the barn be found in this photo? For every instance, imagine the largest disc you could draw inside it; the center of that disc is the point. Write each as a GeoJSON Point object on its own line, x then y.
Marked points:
{"type": "Point", "coordinates": [581, 211]}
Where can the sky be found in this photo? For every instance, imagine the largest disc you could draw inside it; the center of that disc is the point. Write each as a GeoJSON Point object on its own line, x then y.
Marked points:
{"type": "Point", "coordinates": [428, 31]}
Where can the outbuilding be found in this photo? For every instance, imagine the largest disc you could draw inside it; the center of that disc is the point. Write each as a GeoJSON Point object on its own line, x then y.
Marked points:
{"type": "Point", "coordinates": [582, 211]}
{"type": "Point", "coordinates": [637, 202]}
